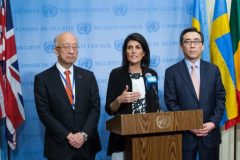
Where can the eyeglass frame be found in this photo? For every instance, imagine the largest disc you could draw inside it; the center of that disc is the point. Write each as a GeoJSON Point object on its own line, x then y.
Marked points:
{"type": "Point", "coordinates": [67, 47]}
{"type": "Point", "coordinates": [190, 42]}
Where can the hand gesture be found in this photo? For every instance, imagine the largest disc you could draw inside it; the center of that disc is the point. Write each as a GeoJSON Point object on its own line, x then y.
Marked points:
{"type": "Point", "coordinates": [128, 97]}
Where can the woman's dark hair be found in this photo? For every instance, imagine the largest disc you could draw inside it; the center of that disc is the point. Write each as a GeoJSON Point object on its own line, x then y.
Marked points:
{"type": "Point", "coordinates": [190, 29]}
{"type": "Point", "coordinates": [139, 38]}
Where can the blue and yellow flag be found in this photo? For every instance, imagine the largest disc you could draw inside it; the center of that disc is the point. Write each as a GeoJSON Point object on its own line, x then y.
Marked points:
{"type": "Point", "coordinates": [199, 21]}
{"type": "Point", "coordinates": [222, 56]}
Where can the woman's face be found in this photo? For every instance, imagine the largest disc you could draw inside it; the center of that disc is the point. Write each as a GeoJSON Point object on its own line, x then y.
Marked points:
{"type": "Point", "coordinates": [135, 52]}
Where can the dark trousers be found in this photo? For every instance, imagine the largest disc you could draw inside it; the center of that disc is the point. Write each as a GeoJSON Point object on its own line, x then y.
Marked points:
{"type": "Point", "coordinates": [79, 157]}
{"type": "Point", "coordinates": [83, 158]}
{"type": "Point", "coordinates": [203, 152]}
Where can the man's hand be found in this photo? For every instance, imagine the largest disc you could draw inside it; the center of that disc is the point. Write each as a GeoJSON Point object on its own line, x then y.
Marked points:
{"type": "Point", "coordinates": [207, 127]}
{"type": "Point", "coordinates": [75, 140]}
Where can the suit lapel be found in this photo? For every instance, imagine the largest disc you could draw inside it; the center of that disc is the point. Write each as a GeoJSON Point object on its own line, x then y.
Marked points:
{"type": "Point", "coordinates": [78, 85]}
{"type": "Point", "coordinates": [203, 77]}
{"type": "Point", "coordinates": [186, 77]}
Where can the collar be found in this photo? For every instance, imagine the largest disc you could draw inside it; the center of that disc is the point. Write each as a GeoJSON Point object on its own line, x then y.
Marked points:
{"type": "Point", "coordinates": [189, 64]}
{"type": "Point", "coordinates": [62, 69]}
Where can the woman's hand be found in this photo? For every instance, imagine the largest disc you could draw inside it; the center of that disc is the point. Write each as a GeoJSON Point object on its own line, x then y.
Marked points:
{"type": "Point", "coordinates": [128, 97]}
{"type": "Point", "coordinates": [125, 97]}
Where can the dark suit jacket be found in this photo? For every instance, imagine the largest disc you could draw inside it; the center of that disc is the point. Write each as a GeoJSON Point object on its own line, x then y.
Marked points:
{"type": "Point", "coordinates": [179, 94]}
{"type": "Point", "coordinates": [118, 79]}
{"type": "Point", "coordinates": [56, 113]}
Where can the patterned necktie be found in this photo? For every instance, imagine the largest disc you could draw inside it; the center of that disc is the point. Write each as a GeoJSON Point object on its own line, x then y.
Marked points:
{"type": "Point", "coordinates": [195, 80]}
{"type": "Point", "coordinates": [68, 86]}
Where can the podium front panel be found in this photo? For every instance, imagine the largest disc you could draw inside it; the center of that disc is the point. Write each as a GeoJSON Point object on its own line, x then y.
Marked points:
{"type": "Point", "coordinates": [165, 146]}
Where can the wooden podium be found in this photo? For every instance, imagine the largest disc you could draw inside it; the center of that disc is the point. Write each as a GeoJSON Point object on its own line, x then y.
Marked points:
{"type": "Point", "coordinates": [155, 136]}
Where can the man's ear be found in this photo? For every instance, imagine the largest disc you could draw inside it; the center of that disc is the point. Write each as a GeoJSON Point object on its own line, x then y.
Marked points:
{"type": "Point", "coordinates": [55, 51]}
{"type": "Point", "coordinates": [181, 47]}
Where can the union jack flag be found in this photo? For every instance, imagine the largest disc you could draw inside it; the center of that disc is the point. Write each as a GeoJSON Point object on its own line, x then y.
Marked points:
{"type": "Point", "coordinates": [11, 99]}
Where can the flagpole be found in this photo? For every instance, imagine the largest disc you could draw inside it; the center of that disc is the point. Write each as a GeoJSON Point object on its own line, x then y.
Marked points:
{"type": "Point", "coordinates": [235, 143]}
{"type": "Point", "coordinates": [8, 152]}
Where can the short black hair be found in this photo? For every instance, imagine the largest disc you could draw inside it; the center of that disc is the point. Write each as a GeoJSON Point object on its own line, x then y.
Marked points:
{"type": "Point", "coordinates": [190, 29]}
{"type": "Point", "coordinates": [139, 38]}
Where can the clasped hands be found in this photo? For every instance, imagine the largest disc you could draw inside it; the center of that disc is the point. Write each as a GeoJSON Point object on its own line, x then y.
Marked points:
{"type": "Point", "coordinates": [207, 127]}
{"type": "Point", "coordinates": [76, 140]}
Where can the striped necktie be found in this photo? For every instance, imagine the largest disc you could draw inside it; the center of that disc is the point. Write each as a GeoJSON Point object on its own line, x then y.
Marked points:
{"type": "Point", "coordinates": [68, 86]}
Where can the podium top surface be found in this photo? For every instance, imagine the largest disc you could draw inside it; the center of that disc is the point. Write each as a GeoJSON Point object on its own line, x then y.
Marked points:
{"type": "Point", "coordinates": [158, 122]}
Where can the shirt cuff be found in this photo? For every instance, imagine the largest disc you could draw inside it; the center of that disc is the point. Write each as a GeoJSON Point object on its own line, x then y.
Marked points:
{"type": "Point", "coordinates": [85, 136]}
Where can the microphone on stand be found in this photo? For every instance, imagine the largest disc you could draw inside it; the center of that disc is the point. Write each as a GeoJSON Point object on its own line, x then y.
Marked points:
{"type": "Point", "coordinates": [151, 85]}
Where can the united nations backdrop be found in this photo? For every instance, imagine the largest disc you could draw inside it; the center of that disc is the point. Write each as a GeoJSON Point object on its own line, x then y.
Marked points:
{"type": "Point", "coordinates": [100, 26]}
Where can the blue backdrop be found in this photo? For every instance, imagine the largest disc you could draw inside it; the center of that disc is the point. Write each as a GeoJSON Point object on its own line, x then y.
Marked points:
{"type": "Point", "coordinates": [101, 26]}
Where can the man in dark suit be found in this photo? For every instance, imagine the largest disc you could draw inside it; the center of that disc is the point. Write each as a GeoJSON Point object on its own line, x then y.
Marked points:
{"type": "Point", "coordinates": [68, 104]}
{"type": "Point", "coordinates": [196, 84]}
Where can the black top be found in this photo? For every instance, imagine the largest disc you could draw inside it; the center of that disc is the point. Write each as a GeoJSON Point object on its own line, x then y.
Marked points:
{"type": "Point", "coordinates": [118, 79]}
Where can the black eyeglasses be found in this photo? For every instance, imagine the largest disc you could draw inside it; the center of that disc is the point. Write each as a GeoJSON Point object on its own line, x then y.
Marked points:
{"type": "Point", "coordinates": [67, 47]}
{"type": "Point", "coordinates": [189, 42]}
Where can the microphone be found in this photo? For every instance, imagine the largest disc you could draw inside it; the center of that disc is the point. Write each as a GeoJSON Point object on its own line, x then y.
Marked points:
{"type": "Point", "coordinates": [151, 83]}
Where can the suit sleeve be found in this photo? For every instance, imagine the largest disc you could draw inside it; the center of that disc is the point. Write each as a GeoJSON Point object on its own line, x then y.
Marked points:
{"type": "Point", "coordinates": [170, 91]}
{"type": "Point", "coordinates": [91, 123]}
{"type": "Point", "coordinates": [111, 93]}
{"type": "Point", "coordinates": [219, 99]}
{"type": "Point", "coordinates": [44, 110]}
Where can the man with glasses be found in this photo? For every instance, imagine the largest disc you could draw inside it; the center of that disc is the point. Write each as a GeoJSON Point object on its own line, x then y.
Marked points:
{"type": "Point", "coordinates": [68, 104]}
{"type": "Point", "coordinates": [196, 84]}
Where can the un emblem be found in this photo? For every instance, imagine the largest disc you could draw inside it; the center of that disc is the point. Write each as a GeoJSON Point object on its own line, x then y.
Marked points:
{"type": "Point", "coordinates": [84, 28]}
{"type": "Point", "coordinates": [118, 44]}
{"type": "Point", "coordinates": [152, 26]}
{"type": "Point", "coordinates": [86, 63]}
{"type": "Point", "coordinates": [49, 10]}
{"type": "Point", "coordinates": [163, 122]}
{"type": "Point", "coordinates": [154, 61]}
{"type": "Point", "coordinates": [189, 8]}
{"type": "Point", "coordinates": [49, 47]}
{"type": "Point", "coordinates": [120, 9]}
